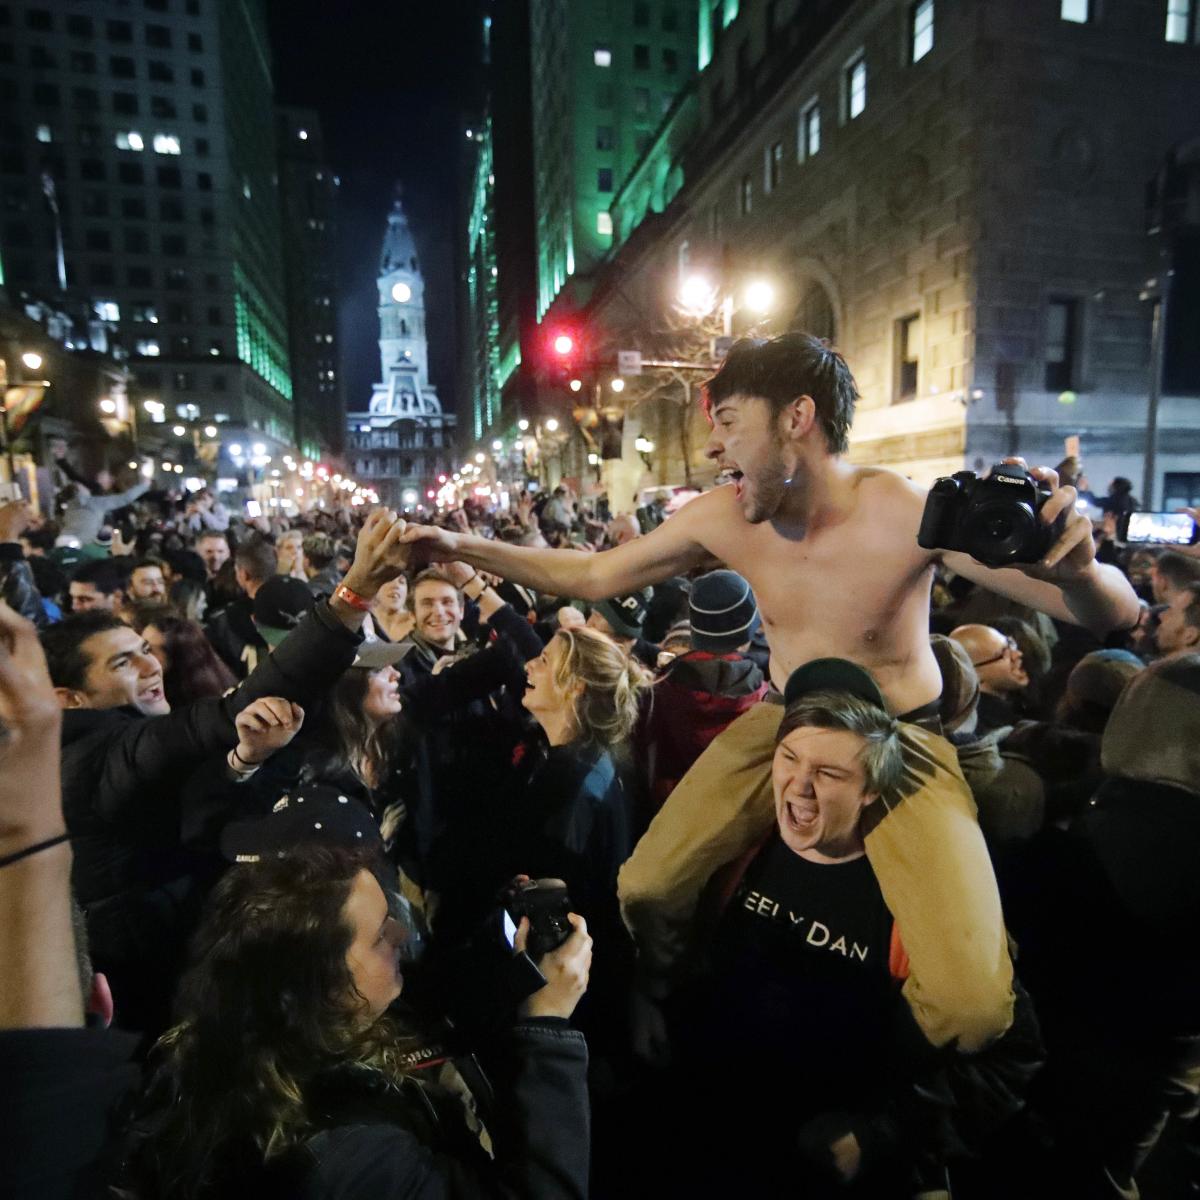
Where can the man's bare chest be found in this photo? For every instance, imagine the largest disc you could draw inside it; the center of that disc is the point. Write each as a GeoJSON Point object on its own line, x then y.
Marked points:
{"type": "Point", "coordinates": [845, 581]}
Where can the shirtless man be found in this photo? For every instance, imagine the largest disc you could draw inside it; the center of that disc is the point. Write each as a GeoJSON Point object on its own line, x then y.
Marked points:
{"type": "Point", "coordinates": [829, 548]}
{"type": "Point", "coordinates": [831, 552]}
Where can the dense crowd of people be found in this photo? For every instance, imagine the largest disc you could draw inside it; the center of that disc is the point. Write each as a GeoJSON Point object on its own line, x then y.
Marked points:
{"type": "Point", "coordinates": [879, 862]}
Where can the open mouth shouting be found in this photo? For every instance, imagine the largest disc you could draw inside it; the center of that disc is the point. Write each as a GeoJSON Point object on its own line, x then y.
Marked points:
{"type": "Point", "coordinates": [800, 818]}
{"type": "Point", "coordinates": [731, 474]}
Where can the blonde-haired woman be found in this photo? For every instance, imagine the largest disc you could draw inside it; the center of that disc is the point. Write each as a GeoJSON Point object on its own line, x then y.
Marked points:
{"type": "Point", "coordinates": [566, 810]}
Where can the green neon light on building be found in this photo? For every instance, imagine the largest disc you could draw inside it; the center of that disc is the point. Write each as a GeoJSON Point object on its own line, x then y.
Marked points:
{"type": "Point", "coordinates": [258, 344]}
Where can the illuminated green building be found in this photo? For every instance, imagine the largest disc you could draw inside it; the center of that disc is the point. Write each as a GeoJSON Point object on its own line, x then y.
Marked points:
{"type": "Point", "coordinates": [603, 75]}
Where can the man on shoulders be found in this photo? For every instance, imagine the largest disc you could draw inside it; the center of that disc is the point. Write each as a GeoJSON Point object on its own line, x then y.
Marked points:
{"type": "Point", "coordinates": [830, 550]}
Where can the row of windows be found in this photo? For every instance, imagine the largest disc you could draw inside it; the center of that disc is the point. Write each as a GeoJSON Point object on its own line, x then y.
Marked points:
{"type": "Point", "coordinates": [95, 170]}
{"type": "Point", "coordinates": [1180, 24]}
{"type": "Point", "coordinates": [143, 312]}
{"type": "Point", "coordinates": [96, 204]}
{"type": "Point", "coordinates": [85, 62]}
{"type": "Point", "coordinates": [668, 18]}
{"type": "Point", "coordinates": [602, 56]}
{"type": "Point", "coordinates": [854, 104]}
{"type": "Point", "coordinates": [41, 20]}
{"type": "Point", "coordinates": [49, 95]}
{"type": "Point", "coordinates": [103, 274]}
{"type": "Point", "coordinates": [181, 345]}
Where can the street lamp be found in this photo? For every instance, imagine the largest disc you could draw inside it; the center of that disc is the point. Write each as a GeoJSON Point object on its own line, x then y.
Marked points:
{"type": "Point", "coordinates": [522, 424]}
{"type": "Point", "coordinates": [618, 384]}
{"type": "Point", "coordinates": [32, 360]}
{"type": "Point", "coordinates": [210, 431]}
{"type": "Point", "coordinates": [576, 385]}
{"type": "Point", "coordinates": [697, 296]}
{"type": "Point", "coordinates": [108, 407]}
{"type": "Point", "coordinates": [759, 296]}
{"type": "Point", "coordinates": [178, 430]}
{"type": "Point", "coordinates": [498, 444]}
{"type": "Point", "coordinates": [552, 425]}
{"type": "Point", "coordinates": [480, 457]}
{"type": "Point", "coordinates": [645, 447]}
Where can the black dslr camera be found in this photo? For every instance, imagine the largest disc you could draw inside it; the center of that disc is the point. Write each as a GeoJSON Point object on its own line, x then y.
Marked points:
{"type": "Point", "coordinates": [546, 903]}
{"type": "Point", "coordinates": [994, 520]}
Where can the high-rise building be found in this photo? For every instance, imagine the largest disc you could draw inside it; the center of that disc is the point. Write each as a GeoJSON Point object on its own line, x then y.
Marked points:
{"type": "Point", "coordinates": [403, 440]}
{"type": "Point", "coordinates": [144, 136]}
{"type": "Point", "coordinates": [603, 75]}
{"type": "Point", "coordinates": [497, 326]}
{"type": "Point", "coordinates": [308, 191]}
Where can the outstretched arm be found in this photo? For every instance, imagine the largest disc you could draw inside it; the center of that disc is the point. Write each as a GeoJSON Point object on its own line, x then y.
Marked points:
{"type": "Point", "coordinates": [1068, 584]}
{"type": "Point", "coordinates": [675, 547]}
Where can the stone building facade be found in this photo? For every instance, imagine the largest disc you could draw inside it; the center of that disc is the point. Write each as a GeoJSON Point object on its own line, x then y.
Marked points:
{"type": "Point", "coordinates": [955, 195]}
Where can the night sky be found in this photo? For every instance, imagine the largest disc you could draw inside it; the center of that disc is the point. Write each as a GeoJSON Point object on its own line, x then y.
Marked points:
{"type": "Point", "coordinates": [393, 82]}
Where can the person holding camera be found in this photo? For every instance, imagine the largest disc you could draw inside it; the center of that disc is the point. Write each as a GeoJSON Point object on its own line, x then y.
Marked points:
{"type": "Point", "coordinates": [830, 550]}
{"type": "Point", "coordinates": [289, 1073]}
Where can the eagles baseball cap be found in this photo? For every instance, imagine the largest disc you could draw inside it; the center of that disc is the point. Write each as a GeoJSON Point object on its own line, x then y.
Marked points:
{"type": "Point", "coordinates": [278, 606]}
{"type": "Point", "coordinates": [626, 614]}
{"type": "Point", "coordinates": [833, 675]}
{"type": "Point", "coordinates": [308, 813]}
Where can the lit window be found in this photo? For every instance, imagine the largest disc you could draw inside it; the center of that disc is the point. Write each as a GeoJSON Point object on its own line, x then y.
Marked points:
{"type": "Point", "coordinates": [920, 30]}
{"type": "Point", "coordinates": [148, 347]}
{"type": "Point", "coordinates": [166, 143]}
{"type": "Point", "coordinates": [772, 167]}
{"type": "Point", "coordinates": [745, 195]}
{"type": "Point", "coordinates": [1079, 11]}
{"type": "Point", "coordinates": [810, 130]}
{"type": "Point", "coordinates": [856, 88]}
{"type": "Point", "coordinates": [602, 56]}
{"type": "Point", "coordinates": [1179, 21]}
{"type": "Point", "coordinates": [130, 141]}
{"type": "Point", "coordinates": [44, 134]}
{"type": "Point", "coordinates": [604, 224]}
{"type": "Point", "coordinates": [107, 310]}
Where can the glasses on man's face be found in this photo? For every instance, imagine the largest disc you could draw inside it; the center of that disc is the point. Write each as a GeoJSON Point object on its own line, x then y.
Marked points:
{"type": "Point", "coordinates": [1010, 649]}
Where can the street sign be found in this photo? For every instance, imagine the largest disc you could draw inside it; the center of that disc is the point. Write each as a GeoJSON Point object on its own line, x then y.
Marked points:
{"type": "Point", "coordinates": [629, 362]}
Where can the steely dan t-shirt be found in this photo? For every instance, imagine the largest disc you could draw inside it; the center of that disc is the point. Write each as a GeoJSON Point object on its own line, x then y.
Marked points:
{"type": "Point", "coordinates": [802, 985]}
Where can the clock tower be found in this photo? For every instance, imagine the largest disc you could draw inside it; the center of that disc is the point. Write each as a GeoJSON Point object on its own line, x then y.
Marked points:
{"type": "Point", "coordinates": [404, 389]}
{"type": "Point", "coordinates": [403, 441]}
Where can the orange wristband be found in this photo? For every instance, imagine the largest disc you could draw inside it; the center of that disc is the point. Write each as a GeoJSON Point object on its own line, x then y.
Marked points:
{"type": "Point", "coordinates": [342, 592]}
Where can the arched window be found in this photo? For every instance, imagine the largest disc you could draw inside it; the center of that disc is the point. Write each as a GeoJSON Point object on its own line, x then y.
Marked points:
{"type": "Point", "coordinates": [814, 314]}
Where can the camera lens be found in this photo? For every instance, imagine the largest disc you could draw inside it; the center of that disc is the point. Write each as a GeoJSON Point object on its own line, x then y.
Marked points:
{"type": "Point", "coordinates": [999, 533]}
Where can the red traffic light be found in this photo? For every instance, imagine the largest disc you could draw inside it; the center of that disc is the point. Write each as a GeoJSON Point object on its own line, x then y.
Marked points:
{"type": "Point", "coordinates": [564, 344]}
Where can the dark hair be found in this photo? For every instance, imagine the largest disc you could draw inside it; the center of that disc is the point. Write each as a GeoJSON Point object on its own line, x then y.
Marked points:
{"type": "Point", "coordinates": [257, 557]}
{"type": "Point", "coordinates": [187, 564]}
{"type": "Point", "coordinates": [319, 549]}
{"type": "Point", "coordinates": [266, 1006]}
{"type": "Point", "coordinates": [211, 533]}
{"type": "Point", "coordinates": [102, 573]}
{"type": "Point", "coordinates": [1177, 569]}
{"type": "Point", "coordinates": [148, 561]}
{"type": "Point", "coordinates": [368, 751]}
{"type": "Point", "coordinates": [41, 539]}
{"type": "Point", "coordinates": [63, 645]}
{"type": "Point", "coordinates": [783, 368]}
{"type": "Point", "coordinates": [195, 669]}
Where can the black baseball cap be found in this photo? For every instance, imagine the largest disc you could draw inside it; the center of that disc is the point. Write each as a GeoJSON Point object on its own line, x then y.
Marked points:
{"type": "Point", "coordinates": [833, 675]}
{"type": "Point", "coordinates": [278, 606]}
{"type": "Point", "coordinates": [306, 814]}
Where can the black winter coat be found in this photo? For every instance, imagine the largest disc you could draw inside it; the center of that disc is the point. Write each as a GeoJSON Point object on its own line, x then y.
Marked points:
{"type": "Point", "coordinates": [382, 1142]}
{"type": "Point", "coordinates": [123, 776]}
